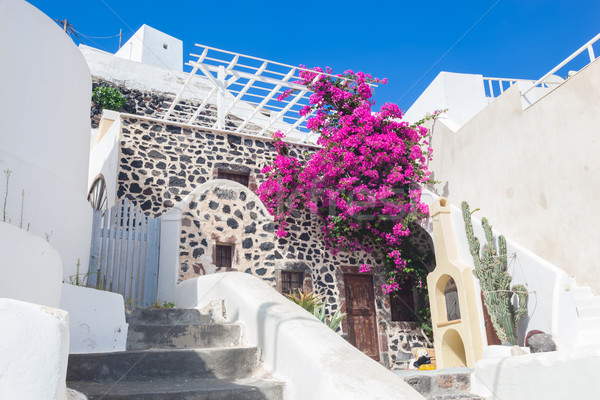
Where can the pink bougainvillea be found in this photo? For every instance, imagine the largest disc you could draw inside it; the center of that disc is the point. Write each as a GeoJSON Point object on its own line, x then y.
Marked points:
{"type": "Point", "coordinates": [365, 180]}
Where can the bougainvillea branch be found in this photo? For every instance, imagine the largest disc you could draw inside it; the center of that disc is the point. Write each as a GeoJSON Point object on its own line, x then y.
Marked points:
{"type": "Point", "coordinates": [365, 180]}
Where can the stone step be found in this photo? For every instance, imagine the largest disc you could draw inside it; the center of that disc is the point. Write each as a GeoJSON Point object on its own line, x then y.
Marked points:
{"type": "Point", "coordinates": [251, 388]}
{"type": "Point", "coordinates": [439, 383]}
{"type": "Point", "coordinates": [166, 316]}
{"type": "Point", "coordinates": [228, 363]}
{"type": "Point", "coordinates": [457, 396]}
{"type": "Point", "coordinates": [588, 312]}
{"type": "Point", "coordinates": [144, 336]}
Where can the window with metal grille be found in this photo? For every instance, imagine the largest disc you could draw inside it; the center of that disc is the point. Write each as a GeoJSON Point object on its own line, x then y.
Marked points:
{"type": "Point", "coordinates": [223, 255]}
{"type": "Point", "coordinates": [238, 177]}
{"type": "Point", "coordinates": [402, 304]}
{"type": "Point", "coordinates": [291, 281]}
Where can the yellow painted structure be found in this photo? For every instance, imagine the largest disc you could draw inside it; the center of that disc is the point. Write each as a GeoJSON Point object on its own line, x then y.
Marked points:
{"type": "Point", "coordinates": [455, 318]}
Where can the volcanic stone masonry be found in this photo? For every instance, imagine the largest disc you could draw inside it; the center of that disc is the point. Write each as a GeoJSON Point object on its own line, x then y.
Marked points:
{"type": "Point", "coordinates": [162, 164]}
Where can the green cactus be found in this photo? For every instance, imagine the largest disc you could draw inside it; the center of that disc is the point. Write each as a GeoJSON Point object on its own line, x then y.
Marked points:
{"type": "Point", "coordinates": [490, 269]}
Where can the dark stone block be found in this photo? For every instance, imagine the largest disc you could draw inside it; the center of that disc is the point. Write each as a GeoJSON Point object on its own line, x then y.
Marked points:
{"type": "Point", "coordinates": [250, 205]}
{"type": "Point", "coordinates": [541, 343]}
{"type": "Point", "coordinates": [156, 154]}
{"type": "Point", "coordinates": [305, 237]}
{"type": "Point", "coordinates": [146, 205]}
{"type": "Point", "coordinates": [226, 209]}
{"type": "Point", "coordinates": [224, 194]}
{"type": "Point", "coordinates": [238, 214]}
{"type": "Point", "coordinates": [126, 151]}
{"type": "Point", "coordinates": [247, 243]}
{"type": "Point", "coordinates": [266, 246]}
{"type": "Point", "coordinates": [198, 252]}
{"type": "Point", "coordinates": [232, 223]}
{"type": "Point", "coordinates": [234, 139]}
{"type": "Point", "coordinates": [123, 176]}
{"type": "Point", "coordinates": [175, 181]}
{"type": "Point", "coordinates": [250, 228]}
{"type": "Point", "coordinates": [137, 163]}
{"type": "Point", "coordinates": [270, 227]}
{"type": "Point", "coordinates": [261, 271]}
{"type": "Point", "coordinates": [161, 165]}
{"type": "Point", "coordinates": [135, 188]}
{"type": "Point", "coordinates": [173, 129]}
{"type": "Point", "coordinates": [243, 196]}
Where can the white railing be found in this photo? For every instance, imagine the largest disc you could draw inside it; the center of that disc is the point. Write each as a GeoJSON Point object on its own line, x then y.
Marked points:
{"type": "Point", "coordinates": [587, 46]}
{"type": "Point", "coordinates": [501, 84]}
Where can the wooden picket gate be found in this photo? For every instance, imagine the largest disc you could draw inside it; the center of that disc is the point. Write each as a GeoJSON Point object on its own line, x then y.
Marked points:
{"type": "Point", "coordinates": [124, 253]}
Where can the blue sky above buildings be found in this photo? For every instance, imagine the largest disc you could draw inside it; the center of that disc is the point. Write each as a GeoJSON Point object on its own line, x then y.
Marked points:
{"type": "Point", "coordinates": [402, 41]}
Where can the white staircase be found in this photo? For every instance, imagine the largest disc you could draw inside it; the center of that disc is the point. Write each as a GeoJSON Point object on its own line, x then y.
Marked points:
{"type": "Point", "coordinates": [588, 311]}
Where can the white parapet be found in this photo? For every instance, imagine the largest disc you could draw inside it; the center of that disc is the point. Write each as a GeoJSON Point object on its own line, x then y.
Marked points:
{"type": "Point", "coordinates": [30, 269]}
{"type": "Point", "coordinates": [315, 362]}
{"type": "Point", "coordinates": [34, 345]}
{"type": "Point", "coordinates": [555, 375]}
{"type": "Point", "coordinates": [97, 319]}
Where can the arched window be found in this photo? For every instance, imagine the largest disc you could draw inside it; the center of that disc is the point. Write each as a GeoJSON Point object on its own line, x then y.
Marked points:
{"type": "Point", "coordinates": [97, 195]}
{"type": "Point", "coordinates": [451, 295]}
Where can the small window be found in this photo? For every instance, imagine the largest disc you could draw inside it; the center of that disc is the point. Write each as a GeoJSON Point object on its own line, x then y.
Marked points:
{"type": "Point", "coordinates": [223, 256]}
{"type": "Point", "coordinates": [238, 177]}
{"type": "Point", "coordinates": [402, 304]}
{"type": "Point", "coordinates": [291, 282]}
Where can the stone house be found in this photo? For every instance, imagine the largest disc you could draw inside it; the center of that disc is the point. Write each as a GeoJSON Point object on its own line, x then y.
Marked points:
{"type": "Point", "coordinates": [212, 175]}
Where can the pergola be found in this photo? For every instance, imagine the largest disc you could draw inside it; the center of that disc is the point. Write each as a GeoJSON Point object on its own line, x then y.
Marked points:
{"type": "Point", "coordinates": [242, 96]}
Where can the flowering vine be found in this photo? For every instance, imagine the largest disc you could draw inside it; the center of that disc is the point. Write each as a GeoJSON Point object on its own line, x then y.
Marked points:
{"type": "Point", "coordinates": [364, 181]}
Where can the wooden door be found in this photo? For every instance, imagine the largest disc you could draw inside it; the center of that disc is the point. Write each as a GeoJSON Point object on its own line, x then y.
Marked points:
{"type": "Point", "coordinates": [360, 307]}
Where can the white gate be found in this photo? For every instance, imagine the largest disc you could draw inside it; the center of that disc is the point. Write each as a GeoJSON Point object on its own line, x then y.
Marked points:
{"type": "Point", "coordinates": [124, 253]}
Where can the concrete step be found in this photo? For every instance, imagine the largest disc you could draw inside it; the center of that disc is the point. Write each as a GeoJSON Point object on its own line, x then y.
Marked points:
{"type": "Point", "coordinates": [589, 324]}
{"type": "Point", "coordinates": [144, 336]}
{"type": "Point", "coordinates": [166, 316]}
{"type": "Point", "coordinates": [588, 302]}
{"type": "Point", "coordinates": [251, 388]}
{"type": "Point", "coordinates": [581, 292]}
{"type": "Point", "coordinates": [228, 363]}
{"type": "Point", "coordinates": [588, 312]}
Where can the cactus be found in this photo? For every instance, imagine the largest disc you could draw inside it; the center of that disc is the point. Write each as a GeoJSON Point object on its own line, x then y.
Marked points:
{"type": "Point", "coordinates": [490, 269]}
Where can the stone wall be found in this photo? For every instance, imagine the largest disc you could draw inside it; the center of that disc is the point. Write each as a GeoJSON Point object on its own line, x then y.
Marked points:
{"type": "Point", "coordinates": [162, 164]}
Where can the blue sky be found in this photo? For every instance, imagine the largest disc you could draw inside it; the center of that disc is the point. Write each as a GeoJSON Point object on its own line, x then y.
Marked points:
{"type": "Point", "coordinates": [397, 40]}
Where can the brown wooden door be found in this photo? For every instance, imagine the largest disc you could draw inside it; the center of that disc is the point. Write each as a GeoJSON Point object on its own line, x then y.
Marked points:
{"type": "Point", "coordinates": [360, 307]}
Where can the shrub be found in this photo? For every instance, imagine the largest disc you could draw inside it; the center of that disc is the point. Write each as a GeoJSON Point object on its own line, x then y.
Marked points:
{"type": "Point", "coordinates": [108, 98]}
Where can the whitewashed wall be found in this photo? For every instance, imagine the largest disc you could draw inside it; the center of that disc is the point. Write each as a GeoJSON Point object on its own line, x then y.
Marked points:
{"type": "Point", "coordinates": [34, 346]}
{"type": "Point", "coordinates": [153, 47]}
{"type": "Point", "coordinates": [462, 94]}
{"type": "Point", "coordinates": [44, 130]}
{"type": "Point", "coordinates": [30, 269]}
{"type": "Point", "coordinates": [533, 172]}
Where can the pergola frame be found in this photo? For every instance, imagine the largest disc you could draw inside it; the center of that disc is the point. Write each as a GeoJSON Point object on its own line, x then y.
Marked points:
{"type": "Point", "coordinates": [244, 90]}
